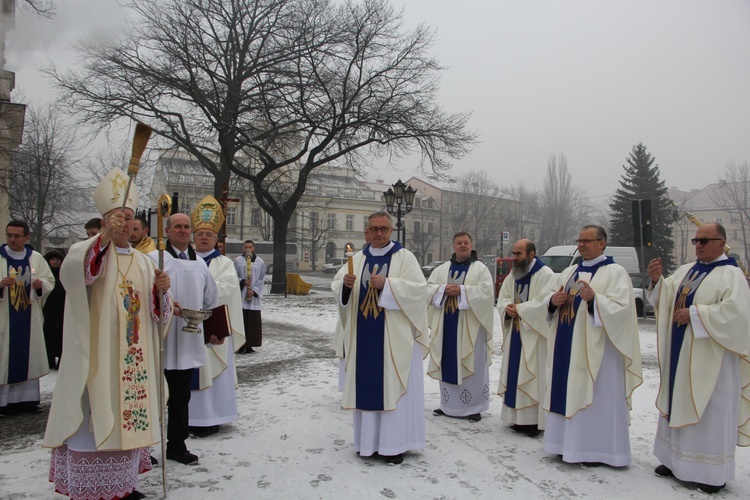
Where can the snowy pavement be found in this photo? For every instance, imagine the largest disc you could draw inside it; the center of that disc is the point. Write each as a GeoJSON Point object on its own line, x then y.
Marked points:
{"type": "Point", "coordinates": [293, 440]}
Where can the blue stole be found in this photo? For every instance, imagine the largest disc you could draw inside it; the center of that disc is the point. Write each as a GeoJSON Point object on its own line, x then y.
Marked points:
{"type": "Point", "coordinates": [684, 299]}
{"type": "Point", "coordinates": [566, 320]}
{"type": "Point", "coordinates": [195, 381]}
{"type": "Point", "coordinates": [520, 294]}
{"type": "Point", "coordinates": [19, 317]}
{"type": "Point", "coordinates": [450, 360]}
{"type": "Point", "coordinates": [369, 381]}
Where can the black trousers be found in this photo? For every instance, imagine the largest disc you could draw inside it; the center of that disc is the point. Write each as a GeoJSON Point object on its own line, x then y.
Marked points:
{"type": "Point", "coordinates": [178, 382]}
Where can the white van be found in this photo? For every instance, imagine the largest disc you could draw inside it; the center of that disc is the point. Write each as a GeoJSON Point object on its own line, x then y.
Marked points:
{"type": "Point", "coordinates": [560, 257]}
{"type": "Point", "coordinates": [334, 264]}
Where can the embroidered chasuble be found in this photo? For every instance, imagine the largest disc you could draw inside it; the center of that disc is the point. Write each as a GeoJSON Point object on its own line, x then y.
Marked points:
{"type": "Point", "coordinates": [684, 299]}
{"type": "Point", "coordinates": [371, 334]}
{"type": "Point", "coordinates": [564, 338]}
{"type": "Point", "coordinates": [22, 322]}
{"type": "Point", "coordinates": [19, 316]}
{"type": "Point", "coordinates": [223, 271]}
{"type": "Point", "coordinates": [110, 321]}
{"type": "Point", "coordinates": [521, 289]}
{"type": "Point", "coordinates": [451, 360]}
{"type": "Point", "coordinates": [576, 344]}
{"type": "Point", "coordinates": [689, 363]}
{"type": "Point", "coordinates": [379, 338]}
{"type": "Point", "coordinates": [138, 406]}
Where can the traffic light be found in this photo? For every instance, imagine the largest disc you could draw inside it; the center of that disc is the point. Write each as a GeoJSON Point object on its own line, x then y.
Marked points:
{"type": "Point", "coordinates": [642, 223]}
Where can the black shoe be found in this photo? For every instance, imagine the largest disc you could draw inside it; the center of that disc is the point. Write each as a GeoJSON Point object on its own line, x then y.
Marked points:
{"type": "Point", "coordinates": [708, 488]}
{"type": "Point", "coordinates": [135, 495]}
{"type": "Point", "coordinates": [394, 459]}
{"type": "Point", "coordinates": [476, 417]}
{"type": "Point", "coordinates": [438, 413]}
{"type": "Point", "coordinates": [663, 471]}
{"type": "Point", "coordinates": [526, 430]}
{"type": "Point", "coordinates": [154, 461]}
{"type": "Point", "coordinates": [592, 464]}
{"type": "Point", "coordinates": [202, 432]}
{"type": "Point", "coordinates": [184, 457]}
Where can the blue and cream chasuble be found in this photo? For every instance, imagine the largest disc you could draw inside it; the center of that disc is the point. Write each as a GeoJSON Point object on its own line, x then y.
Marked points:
{"type": "Point", "coordinates": [521, 294]}
{"type": "Point", "coordinates": [371, 333]}
{"type": "Point", "coordinates": [450, 362]}
{"type": "Point", "coordinates": [684, 300]}
{"type": "Point", "coordinates": [566, 320]}
{"type": "Point", "coordinates": [19, 315]}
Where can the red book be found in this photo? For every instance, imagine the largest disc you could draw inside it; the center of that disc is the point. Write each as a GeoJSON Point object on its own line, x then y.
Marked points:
{"type": "Point", "coordinates": [217, 324]}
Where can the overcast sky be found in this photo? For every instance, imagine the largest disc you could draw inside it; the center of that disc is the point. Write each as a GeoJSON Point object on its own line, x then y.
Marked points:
{"type": "Point", "coordinates": [586, 78]}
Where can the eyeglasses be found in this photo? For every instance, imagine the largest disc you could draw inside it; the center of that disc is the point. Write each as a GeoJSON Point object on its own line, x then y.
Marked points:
{"type": "Point", "coordinates": [704, 241]}
{"type": "Point", "coordinates": [383, 229]}
{"type": "Point", "coordinates": [204, 235]}
{"type": "Point", "coordinates": [586, 242]}
{"type": "Point", "coordinates": [14, 236]}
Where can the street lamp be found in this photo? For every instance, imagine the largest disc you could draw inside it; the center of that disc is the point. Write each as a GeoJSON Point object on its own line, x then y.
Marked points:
{"type": "Point", "coordinates": [397, 195]}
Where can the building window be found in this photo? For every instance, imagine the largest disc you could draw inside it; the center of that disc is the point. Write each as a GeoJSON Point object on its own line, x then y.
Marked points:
{"type": "Point", "coordinates": [332, 221]}
{"type": "Point", "coordinates": [364, 222]}
{"type": "Point", "coordinates": [231, 216]}
{"type": "Point", "coordinates": [417, 228]}
{"type": "Point", "coordinates": [429, 228]}
{"type": "Point", "coordinates": [349, 222]}
{"type": "Point", "coordinates": [427, 203]}
{"type": "Point", "coordinates": [417, 202]}
{"type": "Point", "coordinates": [314, 220]}
{"type": "Point", "coordinates": [255, 217]}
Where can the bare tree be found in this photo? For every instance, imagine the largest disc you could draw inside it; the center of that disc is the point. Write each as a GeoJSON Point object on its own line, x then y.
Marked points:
{"type": "Point", "coordinates": [317, 227]}
{"type": "Point", "coordinates": [733, 195]}
{"type": "Point", "coordinates": [527, 225]}
{"type": "Point", "coordinates": [43, 8]}
{"type": "Point", "coordinates": [478, 208]}
{"type": "Point", "coordinates": [41, 183]}
{"type": "Point", "coordinates": [272, 89]}
{"type": "Point", "coordinates": [426, 232]}
{"type": "Point", "coordinates": [564, 207]}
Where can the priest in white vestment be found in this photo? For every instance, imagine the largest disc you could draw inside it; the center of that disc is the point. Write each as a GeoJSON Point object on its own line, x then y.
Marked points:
{"type": "Point", "coordinates": [703, 335]}
{"type": "Point", "coordinates": [25, 282]}
{"type": "Point", "coordinates": [594, 358]}
{"type": "Point", "coordinates": [105, 408]}
{"type": "Point", "coordinates": [383, 298]}
{"type": "Point", "coordinates": [193, 287]}
{"type": "Point", "coordinates": [252, 277]}
{"type": "Point", "coordinates": [460, 313]}
{"type": "Point", "coordinates": [525, 328]}
{"type": "Point", "coordinates": [214, 397]}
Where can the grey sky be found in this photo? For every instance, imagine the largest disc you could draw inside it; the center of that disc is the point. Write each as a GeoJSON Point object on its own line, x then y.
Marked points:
{"type": "Point", "coordinates": [587, 78]}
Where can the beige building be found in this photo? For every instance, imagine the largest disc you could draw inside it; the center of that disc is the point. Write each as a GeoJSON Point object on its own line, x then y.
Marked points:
{"type": "Point", "coordinates": [333, 212]}
{"type": "Point", "coordinates": [711, 204]}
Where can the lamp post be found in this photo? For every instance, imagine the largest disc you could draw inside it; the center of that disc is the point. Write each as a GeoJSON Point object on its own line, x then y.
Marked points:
{"type": "Point", "coordinates": [399, 194]}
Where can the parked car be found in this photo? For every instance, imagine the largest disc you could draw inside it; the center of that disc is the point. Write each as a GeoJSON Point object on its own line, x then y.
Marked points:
{"type": "Point", "coordinates": [427, 270]}
{"type": "Point", "coordinates": [642, 305]}
{"type": "Point", "coordinates": [334, 265]}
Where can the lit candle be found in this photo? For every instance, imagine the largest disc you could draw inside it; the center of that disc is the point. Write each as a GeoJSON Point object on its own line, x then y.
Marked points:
{"type": "Point", "coordinates": [13, 273]}
{"type": "Point", "coordinates": [349, 258]}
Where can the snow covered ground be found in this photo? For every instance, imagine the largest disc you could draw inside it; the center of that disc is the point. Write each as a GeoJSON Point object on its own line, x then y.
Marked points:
{"type": "Point", "coordinates": [294, 441]}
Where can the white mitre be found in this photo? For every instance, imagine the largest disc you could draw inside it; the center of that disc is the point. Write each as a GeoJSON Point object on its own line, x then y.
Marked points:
{"type": "Point", "coordinates": [110, 192]}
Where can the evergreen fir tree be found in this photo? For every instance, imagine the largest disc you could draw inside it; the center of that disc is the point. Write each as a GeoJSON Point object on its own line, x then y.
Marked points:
{"type": "Point", "coordinates": [641, 182]}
